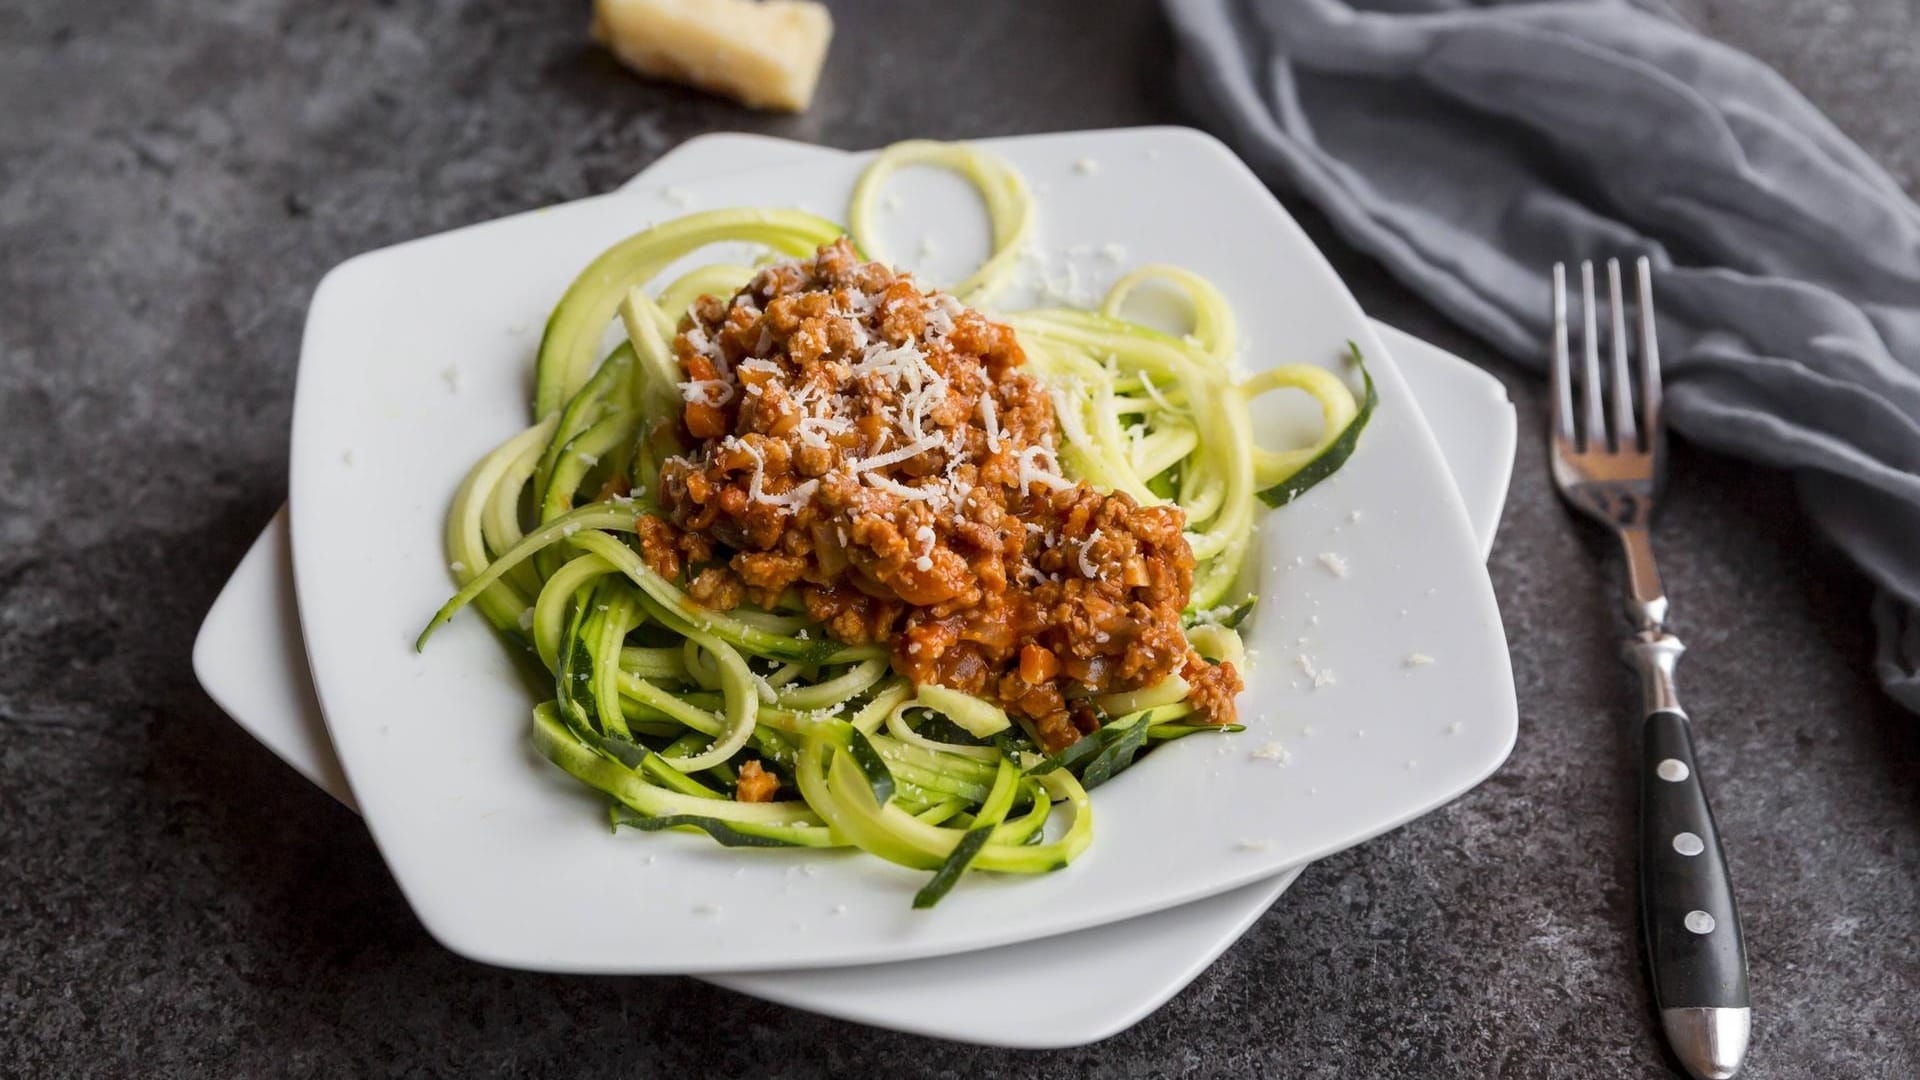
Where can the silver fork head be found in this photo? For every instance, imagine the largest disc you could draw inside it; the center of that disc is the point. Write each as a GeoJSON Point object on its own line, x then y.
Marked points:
{"type": "Point", "coordinates": [1608, 466]}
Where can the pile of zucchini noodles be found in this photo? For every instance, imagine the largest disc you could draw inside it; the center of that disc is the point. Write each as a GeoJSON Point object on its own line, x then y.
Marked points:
{"type": "Point", "coordinates": [658, 700]}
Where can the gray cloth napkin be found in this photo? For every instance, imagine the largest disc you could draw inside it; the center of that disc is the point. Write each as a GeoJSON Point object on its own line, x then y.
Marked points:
{"type": "Point", "coordinates": [1469, 146]}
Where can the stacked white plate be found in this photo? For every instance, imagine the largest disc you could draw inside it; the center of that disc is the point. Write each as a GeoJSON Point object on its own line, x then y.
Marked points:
{"type": "Point", "coordinates": [416, 360]}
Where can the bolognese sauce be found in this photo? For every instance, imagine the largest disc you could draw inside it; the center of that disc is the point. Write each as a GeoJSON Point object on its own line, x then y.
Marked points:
{"type": "Point", "coordinates": [882, 453]}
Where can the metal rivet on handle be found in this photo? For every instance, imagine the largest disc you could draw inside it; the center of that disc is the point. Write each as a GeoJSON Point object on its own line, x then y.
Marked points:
{"type": "Point", "coordinates": [1699, 922]}
{"type": "Point", "coordinates": [1672, 769]}
{"type": "Point", "coordinates": [1688, 844]}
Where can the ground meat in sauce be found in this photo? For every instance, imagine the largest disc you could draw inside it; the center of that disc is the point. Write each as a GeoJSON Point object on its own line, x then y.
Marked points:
{"type": "Point", "coordinates": [881, 453]}
{"type": "Point", "coordinates": [755, 783]}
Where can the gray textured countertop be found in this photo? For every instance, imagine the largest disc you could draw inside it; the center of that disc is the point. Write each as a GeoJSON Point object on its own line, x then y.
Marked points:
{"type": "Point", "coordinates": [173, 181]}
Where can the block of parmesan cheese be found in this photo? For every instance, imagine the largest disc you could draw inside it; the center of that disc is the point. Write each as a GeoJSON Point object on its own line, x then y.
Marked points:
{"type": "Point", "coordinates": [764, 53]}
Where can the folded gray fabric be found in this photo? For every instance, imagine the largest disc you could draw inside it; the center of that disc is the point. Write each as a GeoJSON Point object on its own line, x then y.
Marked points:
{"type": "Point", "coordinates": [1469, 146]}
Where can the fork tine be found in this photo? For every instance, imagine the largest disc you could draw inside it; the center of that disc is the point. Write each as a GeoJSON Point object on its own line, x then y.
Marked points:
{"type": "Point", "coordinates": [1562, 388]}
{"type": "Point", "coordinates": [1649, 356]}
{"type": "Point", "coordinates": [1596, 423]}
{"type": "Point", "coordinates": [1624, 437]}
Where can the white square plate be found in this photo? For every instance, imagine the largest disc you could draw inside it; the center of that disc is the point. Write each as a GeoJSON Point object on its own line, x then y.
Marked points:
{"type": "Point", "coordinates": [248, 656]}
{"type": "Point", "coordinates": [500, 855]}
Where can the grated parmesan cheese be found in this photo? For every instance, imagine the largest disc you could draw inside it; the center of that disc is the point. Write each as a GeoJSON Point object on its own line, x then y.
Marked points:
{"type": "Point", "coordinates": [1033, 472]}
{"type": "Point", "coordinates": [1273, 751]}
{"type": "Point", "coordinates": [894, 486]}
{"type": "Point", "coordinates": [796, 496]}
{"type": "Point", "coordinates": [990, 419]}
{"type": "Point", "coordinates": [893, 457]}
{"type": "Point", "coordinates": [939, 321]}
{"type": "Point", "coordinates": [704, 344]}
{"type": "Point", "coordinates": [1321, 677]}
{"type": "Point", "coordinates": [768, 695]}
{"type": "Point", "coordinates": [1087, 569]}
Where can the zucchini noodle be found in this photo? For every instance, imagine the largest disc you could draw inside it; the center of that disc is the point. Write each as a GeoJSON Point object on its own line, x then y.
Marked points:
{"type": "Point", "coordinates": [672, 709]}
{"type": "Point", "coordinates": [1009, 207]}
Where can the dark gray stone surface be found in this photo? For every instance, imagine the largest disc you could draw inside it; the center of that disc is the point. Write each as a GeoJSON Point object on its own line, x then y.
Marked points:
{"type": "Point", "coordinates": [173, 901]}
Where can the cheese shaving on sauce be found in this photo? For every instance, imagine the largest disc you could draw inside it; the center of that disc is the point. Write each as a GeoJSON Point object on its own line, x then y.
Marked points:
{"type": "Point", "coordinates": [990, 420]}
{"type": "Point", "coordinates": [793, 497]}
{"type": "Point", "coordinates": [1038, 465]}
{"type": "Point", "coordinates": [1087, 568]}
{"type": "Point", "coordinates": [714, 392]}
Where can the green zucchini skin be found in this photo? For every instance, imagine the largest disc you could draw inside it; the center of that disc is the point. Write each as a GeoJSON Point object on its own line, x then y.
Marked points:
{"type": "Point", "coordinates": [1328, 461]}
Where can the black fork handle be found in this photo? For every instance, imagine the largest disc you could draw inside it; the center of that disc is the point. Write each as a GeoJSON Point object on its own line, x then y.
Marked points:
{"type": "Point", "coordinates": [1695, 951]}
{"type": "Point", "coordinates": [1686, 894]}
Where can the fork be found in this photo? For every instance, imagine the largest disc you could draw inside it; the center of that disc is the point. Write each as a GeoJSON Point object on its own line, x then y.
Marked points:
{"type": "Point", "coordinates": [1612, 473]}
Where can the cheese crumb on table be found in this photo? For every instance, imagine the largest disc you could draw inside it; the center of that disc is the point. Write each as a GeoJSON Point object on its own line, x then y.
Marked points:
{"type": "Point", "coordinates": [1418, 659]}
{"type": "Point", "coordinates": [763, 53]}
{"type": "Point", "coordinates": [1335, 563]}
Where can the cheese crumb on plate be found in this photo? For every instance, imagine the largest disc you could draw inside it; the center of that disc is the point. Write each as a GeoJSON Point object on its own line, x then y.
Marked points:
{"type": "Point", "coordinates": [1273, 751]}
